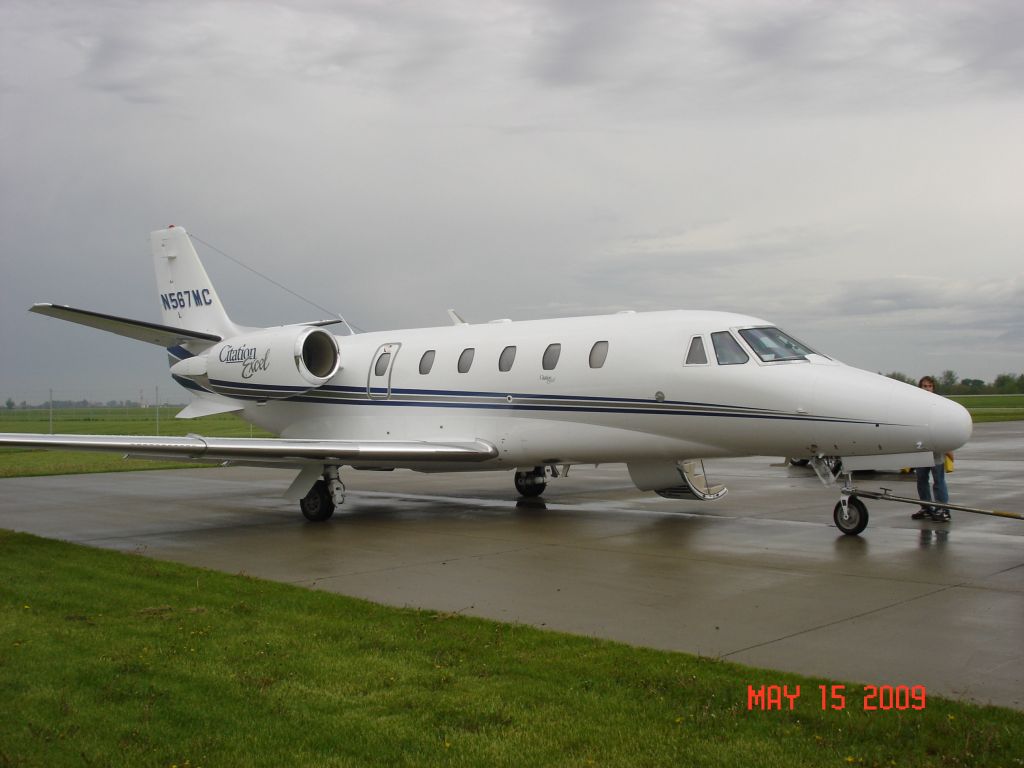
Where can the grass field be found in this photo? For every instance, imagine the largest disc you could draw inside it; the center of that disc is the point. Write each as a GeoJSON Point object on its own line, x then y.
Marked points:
{"type": "Point", "coordinates": [112, 659]}
{"type": "Point", "coordinates": [993, 407]}
{"type": "Point", "coordinates": [22, 462]}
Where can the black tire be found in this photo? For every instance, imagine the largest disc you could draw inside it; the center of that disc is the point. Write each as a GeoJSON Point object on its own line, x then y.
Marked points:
{"type": "Point", "coordinates": [856, 519]}
{"type": "Point", "coordinates": [317, 505]}
{"type": "Point", "coordinates": [799, 462]}
{"type": "Point", "coordinates": [527, 486]}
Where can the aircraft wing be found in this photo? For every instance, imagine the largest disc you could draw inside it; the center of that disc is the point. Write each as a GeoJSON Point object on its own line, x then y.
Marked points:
{"type": "Point", "coordinates": [277, 451]}
{"type": "Point", "coordinates": [154, 333]}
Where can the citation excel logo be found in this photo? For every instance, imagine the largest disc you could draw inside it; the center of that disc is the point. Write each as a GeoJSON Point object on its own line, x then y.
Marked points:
{"type": "Point", "coordinates": [247, 357]}
{"type": "Point", "coordinates": [185, 299]}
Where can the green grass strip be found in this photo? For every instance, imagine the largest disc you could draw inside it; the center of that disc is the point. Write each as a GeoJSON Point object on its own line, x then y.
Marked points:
{"type": "Point", "coordinates": [987, 408]}
{"type": "Point", "coordinates": [113, 659]}
{"type": "Point", "coordinates": [28, 462]}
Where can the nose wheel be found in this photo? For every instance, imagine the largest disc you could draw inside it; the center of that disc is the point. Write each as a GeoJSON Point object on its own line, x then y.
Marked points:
{"type": "Point", "coordinates": [850, 515]}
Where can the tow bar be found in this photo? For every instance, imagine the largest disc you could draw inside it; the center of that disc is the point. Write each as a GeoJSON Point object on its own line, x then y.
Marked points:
{"type": "Point", "coordinates": [851, 515]}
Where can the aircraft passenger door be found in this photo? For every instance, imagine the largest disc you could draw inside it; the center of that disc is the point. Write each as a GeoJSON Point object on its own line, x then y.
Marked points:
{"type": "Point", "coordinates": [378, 382]}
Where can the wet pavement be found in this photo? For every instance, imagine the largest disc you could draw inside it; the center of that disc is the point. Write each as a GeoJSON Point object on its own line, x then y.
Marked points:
{"type": "Point", "coordinates": [760, 577]}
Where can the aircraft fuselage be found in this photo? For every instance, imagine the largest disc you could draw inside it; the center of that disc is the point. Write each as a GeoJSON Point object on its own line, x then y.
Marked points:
{"type": "Point", "coordinates": [636, 400]}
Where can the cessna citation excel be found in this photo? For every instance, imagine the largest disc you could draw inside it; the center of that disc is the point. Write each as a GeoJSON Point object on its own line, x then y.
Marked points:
{"type": "Point", "coordinates": [658, 391]}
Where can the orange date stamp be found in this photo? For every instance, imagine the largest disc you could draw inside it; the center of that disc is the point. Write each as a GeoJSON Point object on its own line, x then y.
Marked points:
{"type": "Point", "coordinates": [873, 698]}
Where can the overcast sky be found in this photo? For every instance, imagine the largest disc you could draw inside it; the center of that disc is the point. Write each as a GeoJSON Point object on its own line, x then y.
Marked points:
{"type": "Point", "coordinates": [851, 171]}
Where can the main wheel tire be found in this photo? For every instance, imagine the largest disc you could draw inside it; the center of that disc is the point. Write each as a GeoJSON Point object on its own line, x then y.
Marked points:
{"type": "Point", "coordinates": [799, 462]}
{"type": "Point", "coordinates": [317, 505]}
{"type": "Point", "coordinates": [526, 485]}
{"type": "Point", "coordinates": [856, 519]}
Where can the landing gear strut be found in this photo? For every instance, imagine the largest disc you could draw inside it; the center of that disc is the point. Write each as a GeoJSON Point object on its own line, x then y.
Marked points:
{"type": "Point", "coordinates": [531, 483]}
{"type": "Point", "coordinates": [318, 505]}
{"type": "Point", "coordinates": [850, 513]}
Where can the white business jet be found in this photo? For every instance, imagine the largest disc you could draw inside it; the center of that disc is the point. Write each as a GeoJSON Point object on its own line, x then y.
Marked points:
{"type": "Point", "coordinates": [658, 391]}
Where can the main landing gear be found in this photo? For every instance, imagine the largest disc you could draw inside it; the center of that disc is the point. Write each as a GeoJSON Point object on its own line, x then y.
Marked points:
{"type": "Point", "coordinates": [326, 494]}
{"type": "Point", "coordinates": [532, 482]}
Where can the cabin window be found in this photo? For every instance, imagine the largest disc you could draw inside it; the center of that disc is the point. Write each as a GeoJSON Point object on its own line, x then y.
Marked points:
{"type": "Point", "coordinates": [772, 345]}
{"type": "Point", "coordinates": [727, 349]}
{"type": "Point", "coordinates": [696, 354]}
{"type": "Point", "coordinates": [551, 355]}
{"type": "Point", "coordinates": [508, 356]}
{"type": "Point", "coordinates": [466, 359]}
{"type": "Point", "coordinates": [598, 354]}
{"type": "Point", "coordinates": [382, 364]}
{"type": "Point", "coordinates": [427, 361]}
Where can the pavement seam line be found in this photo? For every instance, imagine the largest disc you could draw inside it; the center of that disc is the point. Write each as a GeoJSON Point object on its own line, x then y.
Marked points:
{"type": "Point", "coordinates": [843, 620]}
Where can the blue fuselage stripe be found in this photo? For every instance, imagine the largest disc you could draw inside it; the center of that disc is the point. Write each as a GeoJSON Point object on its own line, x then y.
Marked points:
{"type": "Point", "coordinates": [498, 401]}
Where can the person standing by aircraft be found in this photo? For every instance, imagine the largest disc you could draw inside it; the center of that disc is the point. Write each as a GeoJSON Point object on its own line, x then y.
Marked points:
{"type": "Point", "coordinates": [937, 473]}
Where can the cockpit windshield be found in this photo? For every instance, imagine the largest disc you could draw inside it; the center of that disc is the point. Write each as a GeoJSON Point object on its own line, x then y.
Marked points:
{"type": "Point", "coordinates": [772, 345]}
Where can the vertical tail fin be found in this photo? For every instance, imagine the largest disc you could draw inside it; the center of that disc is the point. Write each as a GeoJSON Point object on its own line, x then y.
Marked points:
{"type": "Point", "coordinates": [187, 297]}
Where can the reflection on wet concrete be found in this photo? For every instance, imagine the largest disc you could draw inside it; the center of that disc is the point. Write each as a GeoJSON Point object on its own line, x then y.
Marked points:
{"type": "Point", "coordinates": [933, 538]}
{"type": "Point", "coordinates": [530, 507]}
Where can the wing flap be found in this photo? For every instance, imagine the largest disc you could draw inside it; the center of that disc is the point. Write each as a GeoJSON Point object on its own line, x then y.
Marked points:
{"type": "Point", "coordinates": [153, 333]}
{"type": "Point", "coordinates": [285, 452]}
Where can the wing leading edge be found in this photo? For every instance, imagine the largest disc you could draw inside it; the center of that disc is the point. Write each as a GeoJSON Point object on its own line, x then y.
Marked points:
{"type": "Point", "coordinates": [277, 451]}
{"type": "Point", "coordinates": [153, 333]}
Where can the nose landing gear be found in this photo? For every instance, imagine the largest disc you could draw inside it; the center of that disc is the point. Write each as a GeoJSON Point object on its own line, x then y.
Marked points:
{"type": "Point", "coordinates": [850, 515]}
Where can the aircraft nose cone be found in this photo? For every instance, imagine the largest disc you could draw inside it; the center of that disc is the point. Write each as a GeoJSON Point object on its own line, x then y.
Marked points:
{"type": "Point", "coordinates": [951, 425]}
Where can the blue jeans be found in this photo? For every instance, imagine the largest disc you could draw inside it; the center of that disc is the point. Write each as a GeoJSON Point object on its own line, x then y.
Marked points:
{"type": "Point", "coordinates": [924, 491]}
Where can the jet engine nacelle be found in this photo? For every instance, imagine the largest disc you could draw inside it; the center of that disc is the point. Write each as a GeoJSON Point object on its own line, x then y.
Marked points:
{"type": "Point", "coordinates": [272, 364]}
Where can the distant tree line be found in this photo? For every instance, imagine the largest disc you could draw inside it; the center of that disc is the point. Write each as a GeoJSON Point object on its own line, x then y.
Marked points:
{"type": "Point", "coordinates": [11, 405]}
{"type": "Point", "coordinates": [948, 383]}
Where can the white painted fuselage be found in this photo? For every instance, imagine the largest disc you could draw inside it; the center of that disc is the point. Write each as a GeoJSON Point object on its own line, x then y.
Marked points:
{"type": "Point", "coordinates": [643, 403]}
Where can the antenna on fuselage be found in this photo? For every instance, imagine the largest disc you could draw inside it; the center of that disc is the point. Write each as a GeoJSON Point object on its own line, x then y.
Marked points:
{"type": "Point", "coordinates": [271, 280]}
{"type": "Point", "coordinates": [455, 318]}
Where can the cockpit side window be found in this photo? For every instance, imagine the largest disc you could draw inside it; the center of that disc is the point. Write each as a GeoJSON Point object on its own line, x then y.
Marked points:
{"type": "Point", "coordinates": [696, 354]}
{"type": "Point", "coordinates": [727, 350]}
{"type": "Point", "coordinates": [772, 345]}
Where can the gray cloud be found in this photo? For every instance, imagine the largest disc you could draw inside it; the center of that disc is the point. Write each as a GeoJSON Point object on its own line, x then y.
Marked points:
{"type": "Point", "coordinates": [582, 43]}
{"type": "Point", "coordinates": [985, 38]}
{"type": "Point", "coordinates": [850, 171]}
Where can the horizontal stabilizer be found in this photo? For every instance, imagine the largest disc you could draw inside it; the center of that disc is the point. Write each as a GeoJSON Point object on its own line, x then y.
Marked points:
{"type": "Point", "coordinates": [152, 333]}
{"type": "Point", "coordinates": [280, 451]}
{"type": "Point", "coordinates": [322, 323]}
